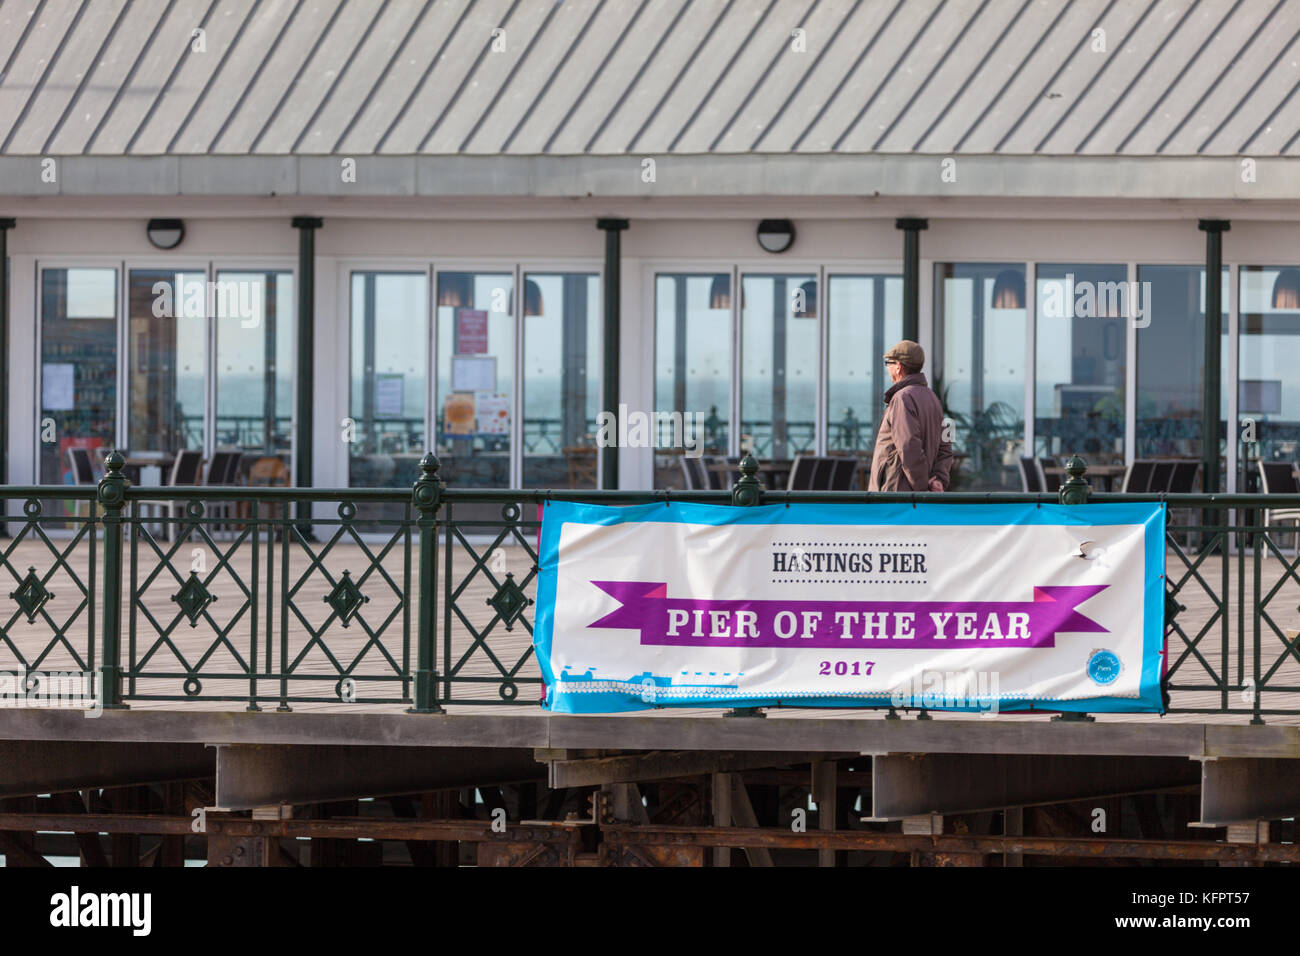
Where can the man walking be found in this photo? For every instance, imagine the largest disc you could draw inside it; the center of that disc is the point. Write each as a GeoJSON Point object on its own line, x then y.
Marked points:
{"type": "Point", "coordinates": [911, 452]}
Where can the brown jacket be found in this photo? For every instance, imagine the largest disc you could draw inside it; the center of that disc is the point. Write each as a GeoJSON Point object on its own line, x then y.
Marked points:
{"type": "Point", "coordinates": [910, 449]}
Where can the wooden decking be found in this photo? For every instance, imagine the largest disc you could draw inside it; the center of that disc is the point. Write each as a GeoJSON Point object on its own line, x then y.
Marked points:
{"type": "Point", "coordinates": [227, 640]}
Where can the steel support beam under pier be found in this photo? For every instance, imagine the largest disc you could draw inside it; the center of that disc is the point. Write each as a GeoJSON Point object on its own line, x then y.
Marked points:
{"type": "Point", "coordinates": [255, 776]}
{"type": "Point", "coordinates": [908, 785]}
{"type": "Point", "coordinates": [54, 766]}
{"type": "Point", "coordinates": [663, 765]}
{"type": "Point", "coordinates": [1093, 848]}
{"type": "Point", "coordinates": [1237, 790]}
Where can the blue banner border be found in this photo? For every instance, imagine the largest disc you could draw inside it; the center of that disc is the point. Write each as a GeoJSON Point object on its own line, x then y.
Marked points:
{"type": "Point", "coordinates": [1151, 515]}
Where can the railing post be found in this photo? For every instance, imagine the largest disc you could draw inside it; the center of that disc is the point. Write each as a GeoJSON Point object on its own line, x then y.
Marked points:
{"type": "Point", "coordinates": [747, 490]}
{"type": "Point", "coordinates": [426, 495]}
{"type": "Point", "coordinates": [112, 498]}
{"type": "Point", "coordinates": [745, 493]}
{"type": "Point", "coordinates": [1074, 491]}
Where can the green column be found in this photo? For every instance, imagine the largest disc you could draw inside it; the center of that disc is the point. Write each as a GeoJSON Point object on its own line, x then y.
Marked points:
{"type": "Point", "coordinates": [306, 226]}
{"type": "Point", "coordinates": [5, 226]}
{"type": "Point", "coordinates": [1214, 230]}
{"type": "Point", "coordinates": [911, 276]}
{"type": "Point", "coordinates": [426, 496]}
{"type": "Point", "coordinates": [111, 493]}
{"type": "Point", "coordinates": [613, 286]}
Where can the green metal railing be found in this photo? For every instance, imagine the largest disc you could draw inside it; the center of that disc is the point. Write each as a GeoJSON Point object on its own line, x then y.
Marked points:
{"type": "Point", "coordinates": [424, 597]}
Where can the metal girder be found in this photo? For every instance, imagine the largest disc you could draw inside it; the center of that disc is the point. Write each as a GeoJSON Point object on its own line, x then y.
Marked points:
{"type": "Point", "coordinates": [908, 785]}
{"type": "Point", "coordinates": [629, 732]}
{"type": "Point", "coordinates": [54, 766]}
{"type": "Point", "coordinates": [347, 828]}
{"type": "Point", "coordinates": [1238, 790]}
{"type": "Point", "coordinates": [824, 793]}
{"type": "Point", "coordinates": [18, 853]}
{"type": "Point", "coordinates": [254, 776]}
{"type": "Point", "coordinates": [774, 838]}
{"type": "Point", "coordinates": [661, 765]}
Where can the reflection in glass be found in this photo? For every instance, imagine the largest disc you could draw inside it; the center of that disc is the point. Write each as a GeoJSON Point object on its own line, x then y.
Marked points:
{"type": "Point", "coordinates": [981, 369]}
{"type": "Point", "coordinates": [693, 337]}
{"type": "Point", "coordinates": [167, 358]}
{"type": "Point", "coordinates": [866, 318]}
{"type": "Point", "coordinates": [78, 366]}
{"type": "Point", "coordinates": [1269, 357]}
{"type": "Point", "coordinates": [476, 354]}
{"type": "Point", "coordinates": [562, 361]}
{"type": "Point", "coordinates": [254, 344]}
{"type": "Point", "coordinates": [1079, 376]}
{"type": "Point", "coordinates": [389, 379]}
{"type": "Point", "coordinates": [778, 382]}
{"type": "Point", "coordinates": [1171, 363]}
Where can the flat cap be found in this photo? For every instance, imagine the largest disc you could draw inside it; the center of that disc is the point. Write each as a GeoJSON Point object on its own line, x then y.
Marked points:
{"type": "Point", "coordinates": [907, 353]}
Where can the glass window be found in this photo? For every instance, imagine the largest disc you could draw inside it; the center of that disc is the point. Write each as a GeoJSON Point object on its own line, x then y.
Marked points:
{"type": "Point", "coordinates": [562, 362]}
{"type": "Point", "coordinates": [1081, 319]}
{"type": "Point", "coordinates": [980, 374]}
{"type": "Point", "coordinates": [1268, 357]}
{"type": "Point", "coordinates": [866, 318]}
{"type": "Point", "coordinates": [476, 354]}
{"type": "Point", "coordinates": [693, 340]}
{"type": "Point", "coordinates": [78, 375]}
{"type": "Point", "coordinates": [254, 367]}
{"type": "Point", "coordinates": [167, 359]}
{"type": "Point", "coordinates": [1171, 362]}
{"type": "Point", "coordinates": [779, 354]}
{"type": "Point", "coordinates": [389, 378]}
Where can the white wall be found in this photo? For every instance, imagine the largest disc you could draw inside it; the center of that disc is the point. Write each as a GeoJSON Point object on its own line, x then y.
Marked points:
{"type": "Point", "coordinates": [705, 234]}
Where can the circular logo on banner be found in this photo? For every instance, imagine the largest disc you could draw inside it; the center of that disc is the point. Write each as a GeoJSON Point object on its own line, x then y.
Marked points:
{"type": "Point", "coordinates": [1104, 667]}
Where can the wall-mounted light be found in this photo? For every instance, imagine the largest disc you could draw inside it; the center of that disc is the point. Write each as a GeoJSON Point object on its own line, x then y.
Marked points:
{"type": "Point", "coordinates": [454, 290]}
{"type": "Point", "coordinates": [532, 298]}
{"type": "Point", "coordinates": [1286, 289]}
{"type": "Point", "coordinates": [1009, 290]}
{"type": "Point", "coordinates": [776, 235]}
{"type": "Point", "coordinates": [165, 233]}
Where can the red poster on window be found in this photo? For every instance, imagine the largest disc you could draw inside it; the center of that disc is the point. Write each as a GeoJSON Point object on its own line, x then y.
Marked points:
{"type": "Point", "coordinates": [471, 331]}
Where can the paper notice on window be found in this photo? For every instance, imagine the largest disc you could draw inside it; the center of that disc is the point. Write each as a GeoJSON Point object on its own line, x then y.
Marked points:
{"type": "Point", "coordinates": [494, 414]}
{"type": "Point", "coordinates": [471, 373]}
{"type": "Point", "coordinates": [388, 395]}
{"type": "Point", "coordinates": [58, 390]}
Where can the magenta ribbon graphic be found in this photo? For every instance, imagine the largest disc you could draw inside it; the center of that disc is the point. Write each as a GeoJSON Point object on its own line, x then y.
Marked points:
{"type": "Point", "coordinates": [682, 622]}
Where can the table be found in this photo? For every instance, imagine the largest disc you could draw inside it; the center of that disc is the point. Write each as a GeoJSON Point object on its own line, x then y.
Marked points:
{"type": "Point", "coordinates": [135, 467]}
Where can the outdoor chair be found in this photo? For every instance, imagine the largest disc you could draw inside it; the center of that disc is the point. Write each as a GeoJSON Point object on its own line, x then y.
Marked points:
{"type": "Point", "coordinates": [694, 473]}
{"type": "Point", "coordinates": [1161, 472]}
{"type": "Point", "coordinates": [82, 474]}
{"type": "Point", "coordinates": [1138, 477]}
{"type": "Point", "coordinates": [1031, 477]}
{"type": "Point", "coordinates": [223, 470]}
{"type": "Point", "coordinates": [1050, 482]}
{"type": "Point", "coordinates": [821, 480]}
{"type": "Point", "coordinates": [712, 478]}
{"type": "Point", "coordinates": [801, 473]}
{"type": "Point", "coordinates": [1278, 478]}
{"type": "Point", "coordinates": [267, 472]}
{"type": "Point", "coordinates": [1183, 482]}
{"type": "Point", "coordinates": [843, 472]}
{"type": "Point", "coordinates": [186, 470]}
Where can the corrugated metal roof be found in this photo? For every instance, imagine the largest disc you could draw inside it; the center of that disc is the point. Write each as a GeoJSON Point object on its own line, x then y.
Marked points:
{"type": "Point", "coordinates": [1176, 78]}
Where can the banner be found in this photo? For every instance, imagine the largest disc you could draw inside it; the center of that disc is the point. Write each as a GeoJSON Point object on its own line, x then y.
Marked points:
{"type": "Point", "coordinates": [980, 607]}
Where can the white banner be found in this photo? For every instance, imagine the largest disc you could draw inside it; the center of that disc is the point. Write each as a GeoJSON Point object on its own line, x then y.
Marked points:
{"type": "Point", "coordinates": [944, 606]}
